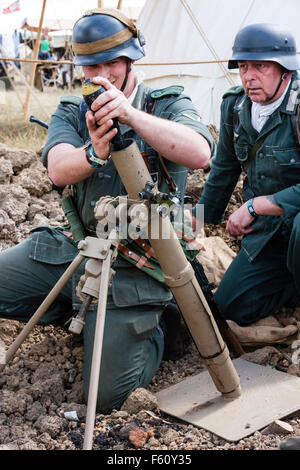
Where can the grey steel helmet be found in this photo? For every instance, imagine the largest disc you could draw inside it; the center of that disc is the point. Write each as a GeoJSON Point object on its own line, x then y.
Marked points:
{"type": "Point", "coordinates": [101, 35]}
{"type": "Point", "coordinates": [265, 41]}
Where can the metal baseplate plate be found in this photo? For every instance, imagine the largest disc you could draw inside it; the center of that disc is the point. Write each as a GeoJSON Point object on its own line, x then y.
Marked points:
{"type": "Point", "coordinates": [267, 395]}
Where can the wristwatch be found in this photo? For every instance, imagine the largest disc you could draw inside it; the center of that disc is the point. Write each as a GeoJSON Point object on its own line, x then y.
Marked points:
{"type": "Point", "coordinates": [92, 158]}
{"type": "Point", "coordinates": [251, 208]}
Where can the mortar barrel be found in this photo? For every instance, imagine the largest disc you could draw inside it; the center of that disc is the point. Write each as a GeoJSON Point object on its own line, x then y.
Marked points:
{"type": "Point", "coordinates": [180, 277]}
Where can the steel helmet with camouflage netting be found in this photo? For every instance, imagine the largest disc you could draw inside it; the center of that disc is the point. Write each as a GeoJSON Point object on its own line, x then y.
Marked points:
{"type": "Point", "coordinates": [265, 41]}
{"type": "Point", "coordinates": [101, 35]}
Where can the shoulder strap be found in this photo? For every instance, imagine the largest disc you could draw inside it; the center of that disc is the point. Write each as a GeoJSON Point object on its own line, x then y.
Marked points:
{"type": "Point", "coordinates": [82, 122]}
{"type": "Point", "coordinates": [253, 151]}
{"type": "Point", "coordinates": [150, 109]}
{"type": "Point", "coordinates": [296, 130]}
{"type": "Point", "coordinates": [234, 90]}
{"type": "Point", "coordinates": [173, 90]}
{"type": "Point", "coordinates": [237, 107]}
{"type": "Point", "coordinates": [236, 110]}
{"type": "Point", "coordinates": [76, 100]}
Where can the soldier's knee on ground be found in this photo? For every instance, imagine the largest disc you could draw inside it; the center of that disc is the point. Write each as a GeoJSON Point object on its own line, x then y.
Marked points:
{"type": "Point", "coordinates": [243, 309]}
{"type": "Point", "coordinates": [131, 354]}
{"type": "Point", "coordinates": [108, 399]}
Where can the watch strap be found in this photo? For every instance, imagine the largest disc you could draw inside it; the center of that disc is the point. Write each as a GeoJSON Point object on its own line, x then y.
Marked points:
{"type": "Point", "coordinates": [251, 208]}
{"type": "Point", "coordinates": [92, 158]}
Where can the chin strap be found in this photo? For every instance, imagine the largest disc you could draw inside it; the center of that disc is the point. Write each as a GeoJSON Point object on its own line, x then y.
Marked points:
{"type": "Point", "coordinates": [128, 69]}
{"type": "Point", "coordinates": [283, 77]}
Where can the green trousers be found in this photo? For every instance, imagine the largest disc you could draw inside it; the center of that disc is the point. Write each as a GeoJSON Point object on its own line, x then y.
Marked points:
{"type": "Point", "coordinates": [251, 291]}
{"type": "Point", "coordinates": [133, 341]}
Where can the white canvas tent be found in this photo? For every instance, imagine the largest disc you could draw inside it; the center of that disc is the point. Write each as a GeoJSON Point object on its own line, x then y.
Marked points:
{"type": "Point", "coordinates": [180, 31]}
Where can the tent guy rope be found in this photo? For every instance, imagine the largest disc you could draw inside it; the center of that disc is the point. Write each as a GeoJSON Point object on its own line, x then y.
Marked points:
{"type": "Point", "coordinates": [207, 42]}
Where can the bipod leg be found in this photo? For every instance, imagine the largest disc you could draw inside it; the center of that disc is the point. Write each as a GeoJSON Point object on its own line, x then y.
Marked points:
{"type": "Point", "coordinates": [43, 307]}
{"type": "Point", "coordinates": [97, 353]}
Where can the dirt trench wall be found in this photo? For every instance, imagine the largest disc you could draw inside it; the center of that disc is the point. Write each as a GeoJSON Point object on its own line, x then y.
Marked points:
{"type": "Point", "coordinates": [27, 198]}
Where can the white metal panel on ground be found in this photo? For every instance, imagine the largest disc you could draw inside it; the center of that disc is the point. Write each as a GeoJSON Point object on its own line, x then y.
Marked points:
{"type": "Point", "coordinates": [267, 395]}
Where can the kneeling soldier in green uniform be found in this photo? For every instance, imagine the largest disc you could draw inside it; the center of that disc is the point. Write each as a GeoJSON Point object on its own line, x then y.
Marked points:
{"type": "Point", "coordinates": [163, 122]}
{"type": "Point", "coordinates": [259, 135]}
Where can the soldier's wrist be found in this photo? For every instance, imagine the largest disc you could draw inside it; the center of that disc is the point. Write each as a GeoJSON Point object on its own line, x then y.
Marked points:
{"type": "Point", "coordinates": [93, 159]}
{"type": "Point", "coordinates": [251, 209]}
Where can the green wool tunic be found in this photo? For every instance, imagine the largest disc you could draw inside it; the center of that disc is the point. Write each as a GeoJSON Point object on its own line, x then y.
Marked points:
{"type": "Point", "coordinates": [133, 341]}
{"type": "Point", "coordinates": [264, 275]}
{"type": "Point", "coordinates": [170, 104]}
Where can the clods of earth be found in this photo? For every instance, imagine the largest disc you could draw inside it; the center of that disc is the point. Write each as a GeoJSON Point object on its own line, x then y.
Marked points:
{"type": "Point", "coordinates": [42, 404]}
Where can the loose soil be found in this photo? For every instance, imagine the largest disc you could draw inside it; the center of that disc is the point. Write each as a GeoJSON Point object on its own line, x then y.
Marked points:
{"type": "Point", "coordinates": [42, 405]}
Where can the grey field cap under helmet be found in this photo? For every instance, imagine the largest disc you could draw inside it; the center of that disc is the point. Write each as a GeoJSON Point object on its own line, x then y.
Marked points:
{"type": "Point", "coordinates": [101, 35]}
{"type": "Point", "coordinates": [265, 41]}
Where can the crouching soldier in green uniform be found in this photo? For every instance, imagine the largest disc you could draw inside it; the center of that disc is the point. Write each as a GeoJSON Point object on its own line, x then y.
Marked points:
{"type": "Point", "coordinates": [258, 134]}
{"type": "Point", "coordinates": [164, 122]}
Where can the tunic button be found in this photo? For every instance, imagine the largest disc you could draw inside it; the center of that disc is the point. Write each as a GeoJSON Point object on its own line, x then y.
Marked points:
{"type": "Point", "coordinates": [262, 177]}
{"type": "Point", "coordinates": [260, 155]}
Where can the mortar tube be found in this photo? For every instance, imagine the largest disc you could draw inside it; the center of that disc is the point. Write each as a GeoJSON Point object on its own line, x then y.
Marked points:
{"type": "Point", "coordinates": [180, 277]}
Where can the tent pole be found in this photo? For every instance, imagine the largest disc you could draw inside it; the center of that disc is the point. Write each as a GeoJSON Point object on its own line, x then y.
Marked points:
{"type": "Point", "coordinates": [33, 67]}
{"type": "Point", "coordinates": [100, 3]}
{"type": "Point", "coordinates": [119, 5]}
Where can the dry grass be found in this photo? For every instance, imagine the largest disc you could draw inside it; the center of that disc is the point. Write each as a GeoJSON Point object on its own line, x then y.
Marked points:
{"type": "Point", "coordinates": [18, 132]}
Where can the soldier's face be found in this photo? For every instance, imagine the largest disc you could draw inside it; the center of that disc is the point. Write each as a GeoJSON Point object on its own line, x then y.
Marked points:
{"type": "Point", "coordinates": [113, 70]}
{"type": "Point", "coordinates": [260, 80]}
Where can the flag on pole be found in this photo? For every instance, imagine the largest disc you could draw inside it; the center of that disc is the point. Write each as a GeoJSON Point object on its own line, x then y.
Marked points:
{"type": "Point", "coordinates": [13, 7]}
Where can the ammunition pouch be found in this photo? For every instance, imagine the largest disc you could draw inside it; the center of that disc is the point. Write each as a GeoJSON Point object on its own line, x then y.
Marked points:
{"type": "Point", "coordinates": [70, 211]}
{"type": "Point", "coordinates": [140, 253]}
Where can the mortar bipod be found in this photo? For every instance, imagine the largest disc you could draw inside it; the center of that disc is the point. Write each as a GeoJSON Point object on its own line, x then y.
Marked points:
{"type": "Point", "coordinates": [101, 253]}
{"type": "Point", "coordinates": [88, 286]}
{"type": "Point", "coordinates": [101, 256]}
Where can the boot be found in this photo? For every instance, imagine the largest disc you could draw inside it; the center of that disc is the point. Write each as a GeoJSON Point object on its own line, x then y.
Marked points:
{"type": "Point", "coordinates": [292, 443]}
{"type": "Point", "coordinates": [264, 332]}
{"type": "Point", "coordinates": [294, 302]}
